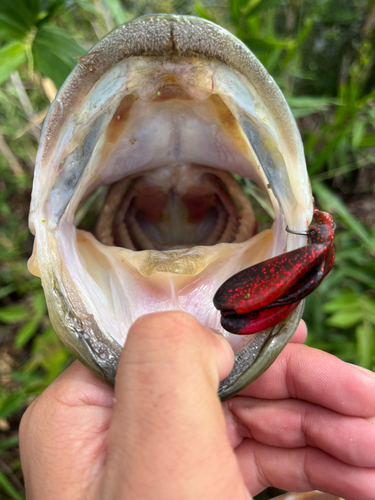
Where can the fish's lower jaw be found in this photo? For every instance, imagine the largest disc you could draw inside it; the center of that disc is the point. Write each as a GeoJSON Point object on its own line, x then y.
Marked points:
{"type": "Point", "coordinates": [121, 284]}
{"type": "Point", "coordinates": [83, 328]}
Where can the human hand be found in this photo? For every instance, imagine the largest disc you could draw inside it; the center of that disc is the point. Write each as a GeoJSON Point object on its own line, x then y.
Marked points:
{"type": "Point", "coordinates": [163, 435]}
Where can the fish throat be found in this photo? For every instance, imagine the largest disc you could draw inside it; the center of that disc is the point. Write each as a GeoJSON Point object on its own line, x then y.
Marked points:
{"type": "Point", "coordinates": [175, 207]}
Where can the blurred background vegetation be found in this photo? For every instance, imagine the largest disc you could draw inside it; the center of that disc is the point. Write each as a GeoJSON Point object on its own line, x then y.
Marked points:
{"type": "Point", "coordinates": [322, 55]}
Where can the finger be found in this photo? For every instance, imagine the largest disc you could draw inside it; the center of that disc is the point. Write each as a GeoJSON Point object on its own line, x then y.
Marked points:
{"type": "Point", "coordinates": [303, 469]}
{"type": "Point", "coordinates": [63, 434]}
{"type": "Point", "coordinates": [168, 427]}
{"type": "Point", "coordinates": [301, 372]}
{"type": "Point", "coordinates": [300, 334]}
{"type": "Point", "coordinates": [296, 424]}
{"type": "Point", "coordinates": [77, 385]}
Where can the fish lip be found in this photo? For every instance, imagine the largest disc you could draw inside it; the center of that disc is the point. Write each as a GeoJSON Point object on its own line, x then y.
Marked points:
{"type": "Point", "coordinates": [165, 34]}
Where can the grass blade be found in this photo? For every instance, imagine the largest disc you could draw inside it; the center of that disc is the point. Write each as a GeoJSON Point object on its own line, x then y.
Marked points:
{"type": "Point", "coordinates": [12, 56]}
{"type": "Point", "coordinates": [364, 335]}
{"type": "Point", "coordinates": [9, 488]}
{"type": "Point", "coordinates": [334, 204]}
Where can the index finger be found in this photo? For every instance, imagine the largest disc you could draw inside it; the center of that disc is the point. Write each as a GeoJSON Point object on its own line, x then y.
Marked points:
{"type": "Point", "coordinates": [301, 372]}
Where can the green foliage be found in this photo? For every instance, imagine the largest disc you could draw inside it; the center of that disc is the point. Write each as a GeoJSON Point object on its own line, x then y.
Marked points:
{"type": "Point", "coordinates": [334, 204]}
{"type": "Point", "coordinates": [12, 56]}
{"type": "Point", "coordinates": [26, 29]}
{"type": "Point", "coordinates": [9, 488]}
{"type": "Point", "coordinates": [55, 53]}
{"type": "Point", "coordinates": [117, 11]}
{"type": "Point", "coordinates": [321, 54]}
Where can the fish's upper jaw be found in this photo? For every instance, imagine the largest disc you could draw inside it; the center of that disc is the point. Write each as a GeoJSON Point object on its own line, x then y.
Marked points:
{"type": "Point", "coordinates": [153, 96]}
{"type": "Point", "coordinates": [172, 36]}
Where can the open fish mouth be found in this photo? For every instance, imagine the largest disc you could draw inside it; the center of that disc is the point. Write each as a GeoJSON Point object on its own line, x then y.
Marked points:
{"type": "Point", "coordinates": [161, 112]}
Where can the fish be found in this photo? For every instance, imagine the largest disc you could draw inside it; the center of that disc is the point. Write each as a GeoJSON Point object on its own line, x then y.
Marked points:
{"type": "Point", "coordinates": [164, 115]}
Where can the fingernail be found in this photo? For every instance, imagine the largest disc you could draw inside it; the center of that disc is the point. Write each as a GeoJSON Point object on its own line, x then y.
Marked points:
{"type": "Point", "coordinates": [367, 372]}
{"type": "Point", "coordinates": [371, 419]}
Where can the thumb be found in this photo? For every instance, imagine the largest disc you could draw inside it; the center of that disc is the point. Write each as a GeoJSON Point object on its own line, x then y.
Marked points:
{"type": "Point", "coordinates": [168, 438]}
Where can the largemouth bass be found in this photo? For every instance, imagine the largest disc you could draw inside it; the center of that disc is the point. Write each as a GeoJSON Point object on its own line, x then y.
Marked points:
{"type": "Point", "coordinates": [161, 112]}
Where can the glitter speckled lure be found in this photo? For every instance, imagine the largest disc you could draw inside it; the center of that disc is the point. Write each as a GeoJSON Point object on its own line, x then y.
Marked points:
{"type": "Point", "coordinates": [261, 296]}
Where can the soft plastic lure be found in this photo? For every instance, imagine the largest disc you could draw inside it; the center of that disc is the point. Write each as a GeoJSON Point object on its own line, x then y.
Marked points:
{"type": "Point", "coordinates": [262, 295]}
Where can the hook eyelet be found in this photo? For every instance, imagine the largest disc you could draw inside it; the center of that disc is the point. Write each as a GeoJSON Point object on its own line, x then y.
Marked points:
{"type": "Point", "coordinates": [299, 233]}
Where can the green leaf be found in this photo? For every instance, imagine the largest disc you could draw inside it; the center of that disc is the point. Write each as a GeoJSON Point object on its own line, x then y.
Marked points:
{"type": "Point", "coordinates": [13, 314]}
{"type": "Point", "coordinates": [87, 6]}
{"type": "Point", "coordinates": [343, 300]}
{"type": "Point", "coordinates": [345, 318]}
{"type": "Point", "coordinates": [10, 403]}
{"type": "Point", "coordinates": [12, 56]}
{"type": "Point", "coordinates": [267, 45]}
{"type": "Point", "coordinates": [250, 5]}
{"type": "Point", "coordinates": [201, 12]}
{"type": "Point", "coordinates": [25, 333]}
{"type": "Point", "coordinates": [365, 336]}
{"type": "Point", "coordinates": [9, 442]}
{"type": "Point", "coordinates": [367, 141]}
{"type": "Point", "coordinates": [55, 363]}
{"type": "Point", "coordinates": [117, 11]}
{"type": "Point", "coordinates": [7, 290]}
{"type": "Point", "coordinates": [301, 112]}
{"type": "Point", "coordinates": [334, 204]}
{"type": "Point", "coordinates": [367, 305]}
{"type": "Point", "coordinates": [46, 16]}
{"type": "Point", "coordinates": [17, 18]}
{"type": "Point", "coordinates": [358, 132]}
{"type": "Point", "coordinates": [32, 382]}
{"type": "Point", "coordinates": [264, 5]}
{"type": "Point", "coordinates": [327, 152]}
{"type": "Point", "coordinates": [317, 103]}
{"type": "Point", "coordinates": [55, 53]}
{"type": "Point", "coordinates": [9, 488]}
{"type": "Point", "coordinates": [235, 9]}
{"type": "Point", "coordinates": [358, 275]}
{"type": "Point", "coordinates": [40, 303]}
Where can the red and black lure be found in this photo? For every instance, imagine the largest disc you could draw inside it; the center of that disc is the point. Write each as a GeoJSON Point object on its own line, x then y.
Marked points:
{"type": "Point", "coordinates": [261, 296]}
